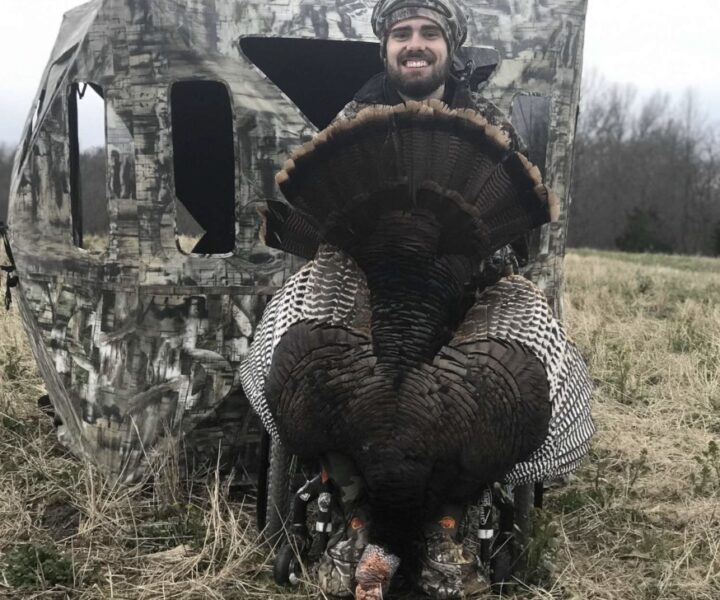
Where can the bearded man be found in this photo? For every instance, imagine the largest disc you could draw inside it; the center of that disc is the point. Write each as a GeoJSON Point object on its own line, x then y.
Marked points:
{"type": "Point", "coordinates": [419, 40]}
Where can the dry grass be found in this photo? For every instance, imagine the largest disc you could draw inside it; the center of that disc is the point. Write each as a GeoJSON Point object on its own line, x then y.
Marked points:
{"type": "Point", "coordinates": [640, 521]}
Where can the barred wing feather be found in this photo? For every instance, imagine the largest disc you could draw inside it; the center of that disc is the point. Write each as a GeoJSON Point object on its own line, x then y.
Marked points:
{"type": "Point", "coordinates": [516, 310]}
{"type": "Point", "coordinates": [329, 289]}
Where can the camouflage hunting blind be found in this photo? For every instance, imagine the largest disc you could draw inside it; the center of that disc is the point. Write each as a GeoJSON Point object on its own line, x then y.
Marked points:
{"type": "Point", "coordinates": [139, 345]}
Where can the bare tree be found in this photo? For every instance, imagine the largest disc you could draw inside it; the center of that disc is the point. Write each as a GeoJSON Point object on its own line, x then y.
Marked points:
{"type": "Point", "coordinates": [645, 172]}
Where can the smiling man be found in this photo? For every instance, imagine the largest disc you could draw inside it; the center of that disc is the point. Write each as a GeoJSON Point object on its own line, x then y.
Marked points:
{"type": "Point", "coordinates": [417, 59]}
{"type": "Point", "coordinates": [419, 40]}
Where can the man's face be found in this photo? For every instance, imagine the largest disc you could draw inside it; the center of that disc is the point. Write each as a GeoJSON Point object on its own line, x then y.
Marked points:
{"type": "Point", "coordinates": [417, 59]}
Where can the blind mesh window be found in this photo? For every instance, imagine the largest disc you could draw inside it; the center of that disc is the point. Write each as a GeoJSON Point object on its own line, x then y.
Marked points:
{"type": "Point", "coordinates": [88, 166]}
{"type": "Point", "coordinates": [204, 166]}
{"type": "Point", "coordinates": [303, 68]}
{"type": "Point", "coordinates": [531, 119]}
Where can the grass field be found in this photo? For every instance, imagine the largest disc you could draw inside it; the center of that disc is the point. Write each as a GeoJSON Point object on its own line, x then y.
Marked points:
{"type": "Point", "coordinates": [639, 521]}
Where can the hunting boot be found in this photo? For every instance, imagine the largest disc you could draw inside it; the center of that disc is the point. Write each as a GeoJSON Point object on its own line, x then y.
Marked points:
{"type": "Point", "coordinates": [336, 570]}
{"type": "Point", "coordinates": [446, 568]}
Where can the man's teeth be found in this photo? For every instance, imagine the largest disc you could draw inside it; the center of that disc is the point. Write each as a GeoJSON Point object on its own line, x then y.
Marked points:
{"type": "Point", "coordinates": [414, 64]}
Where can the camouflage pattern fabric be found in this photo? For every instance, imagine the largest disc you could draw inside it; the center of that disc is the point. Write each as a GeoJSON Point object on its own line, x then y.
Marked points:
{"type": "Point", "coordinates": [447, 13]}
{"type": "Point", "coordinates": [448, 569]}
{"type": "Point", "coordinates": [139, 346]}
{"type": "Point", "coordinates": [345, 478]}
{"type": "Point", "coordinates": [336, 569]}
{"type": "Point", "coordinates": [484, 106]}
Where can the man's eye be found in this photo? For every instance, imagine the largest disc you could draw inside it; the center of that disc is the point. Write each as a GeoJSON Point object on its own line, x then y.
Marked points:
{"type": "Point", "coordinates": [432, 34]}
{"type": "Point", "coordinates": [399, 35]}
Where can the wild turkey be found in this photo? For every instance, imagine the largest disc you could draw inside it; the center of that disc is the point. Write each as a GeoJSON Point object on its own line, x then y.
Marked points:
{"type": "Point", "coordinates": [383, 349]}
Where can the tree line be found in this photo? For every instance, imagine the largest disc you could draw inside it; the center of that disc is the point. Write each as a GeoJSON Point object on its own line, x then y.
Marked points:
{"type": "Point", "coordinates": [646, 176]}
{"type": "Point", "coordinates": [646, 173]}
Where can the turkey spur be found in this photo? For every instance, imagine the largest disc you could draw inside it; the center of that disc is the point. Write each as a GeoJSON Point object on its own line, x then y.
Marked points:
{"type": "Point", "coordinates": [385, 350]}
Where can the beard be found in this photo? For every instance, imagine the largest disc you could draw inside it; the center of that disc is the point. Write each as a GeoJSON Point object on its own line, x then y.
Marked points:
{"type": "Point", "coordinates": [418, 85]}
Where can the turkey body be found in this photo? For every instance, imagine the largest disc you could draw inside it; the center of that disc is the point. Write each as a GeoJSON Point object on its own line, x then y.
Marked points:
{"type": "Point", "coordinates": [427, 417]}
{"type": "Point", "coordinates": [384, 349]}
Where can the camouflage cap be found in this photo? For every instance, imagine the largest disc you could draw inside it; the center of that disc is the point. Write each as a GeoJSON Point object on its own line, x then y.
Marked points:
{"type": "Point", "coordinates": [446, 13]}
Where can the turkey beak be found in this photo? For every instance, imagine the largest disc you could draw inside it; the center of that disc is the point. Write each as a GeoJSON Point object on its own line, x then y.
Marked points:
{"type": "Point", "coordinates": [375, 572]}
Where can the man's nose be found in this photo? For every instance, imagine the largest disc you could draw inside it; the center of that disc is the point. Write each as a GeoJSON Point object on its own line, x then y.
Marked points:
{"type": "Point", "coordinates": [416, 41]}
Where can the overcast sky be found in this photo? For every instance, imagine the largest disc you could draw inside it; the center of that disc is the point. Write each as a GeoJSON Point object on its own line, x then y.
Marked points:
{"type": "Point", "coordinates": [668, 45]}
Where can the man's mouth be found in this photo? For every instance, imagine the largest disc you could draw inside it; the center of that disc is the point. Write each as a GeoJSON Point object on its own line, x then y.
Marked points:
{"type": "Point", "coordinates": [415, 63]}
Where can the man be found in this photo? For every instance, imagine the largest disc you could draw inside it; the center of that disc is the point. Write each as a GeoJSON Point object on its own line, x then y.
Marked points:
{"type": "Point", "coordinates": [419, 39]}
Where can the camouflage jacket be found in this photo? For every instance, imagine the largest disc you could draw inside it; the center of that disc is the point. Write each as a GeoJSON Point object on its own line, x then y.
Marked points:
{"type": "Point", "coordinates": [378, 90]}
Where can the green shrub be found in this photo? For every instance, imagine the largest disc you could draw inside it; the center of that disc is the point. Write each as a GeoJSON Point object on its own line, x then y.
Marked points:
{"type": "Point", "coordinates": [31, 566]}
{"type": "Point", "coordinates": [643, 232]}
{"type": "Point", "coordinates": [706, 480]}
{"type": "Point", "coordinates": [11, 365]}
{"type": "Point", "coordinates": [536, 564]}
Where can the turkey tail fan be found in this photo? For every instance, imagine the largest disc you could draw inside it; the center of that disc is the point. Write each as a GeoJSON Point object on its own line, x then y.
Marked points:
{"type": "Point", "coordinates": [410, 156]}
